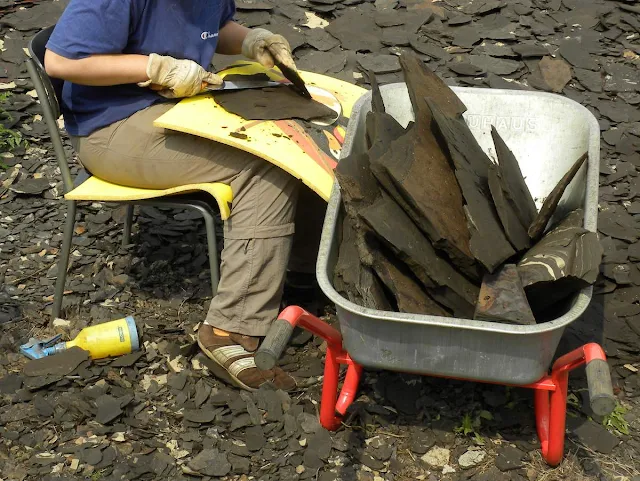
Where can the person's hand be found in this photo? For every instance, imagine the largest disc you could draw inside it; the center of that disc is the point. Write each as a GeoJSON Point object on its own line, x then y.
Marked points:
{"type": "Point", "coordinates": [177, 78]}
{"type": "Point", "coordinates": [266, 48]}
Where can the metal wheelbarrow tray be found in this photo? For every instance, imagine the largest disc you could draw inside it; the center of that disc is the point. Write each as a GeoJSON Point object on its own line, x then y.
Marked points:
{"type": "Point", "coordinates": [546, 133]}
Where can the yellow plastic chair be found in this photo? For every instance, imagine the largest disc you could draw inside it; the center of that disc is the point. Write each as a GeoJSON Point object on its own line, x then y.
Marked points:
{"type": "Point", "coordinates": [90, 188]}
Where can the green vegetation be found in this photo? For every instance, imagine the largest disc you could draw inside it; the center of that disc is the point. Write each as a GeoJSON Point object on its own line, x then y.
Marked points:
{"type": "Point", "coordinates": [9, 139]}
{"type": "Point", "coordinates": [97, 475]}
{"type": "Point", "coordinates": [615, 422]}
{"type": "Point", "coordinates": [471, 425]}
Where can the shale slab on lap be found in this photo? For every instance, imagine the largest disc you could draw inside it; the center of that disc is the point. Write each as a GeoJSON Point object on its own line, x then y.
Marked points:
{"type": "Point", "coordinates": [276, 103]}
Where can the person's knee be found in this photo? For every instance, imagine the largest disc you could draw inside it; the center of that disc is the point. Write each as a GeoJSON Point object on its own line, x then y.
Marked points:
{"type": "Point", "coordinates": [275, 179]}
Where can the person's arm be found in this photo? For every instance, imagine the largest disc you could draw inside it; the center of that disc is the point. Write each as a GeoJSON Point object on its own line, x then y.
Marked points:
{"type": "Point", "coordinates": [98, 70]}
{"type": "Point", "coordinates": [230, 38]}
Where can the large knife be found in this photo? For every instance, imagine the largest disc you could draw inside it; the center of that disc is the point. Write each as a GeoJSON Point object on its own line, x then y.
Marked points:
{"type": "Point", "coordinates": [242, 85]}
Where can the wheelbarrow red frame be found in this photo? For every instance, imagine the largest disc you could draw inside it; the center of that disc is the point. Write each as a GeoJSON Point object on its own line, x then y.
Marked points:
{"type": "Point", "coordinates": [550, 391]}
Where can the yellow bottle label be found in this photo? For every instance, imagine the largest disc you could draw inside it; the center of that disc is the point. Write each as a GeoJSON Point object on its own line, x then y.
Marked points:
{"type": "Point", "coordinates": [109, 339]}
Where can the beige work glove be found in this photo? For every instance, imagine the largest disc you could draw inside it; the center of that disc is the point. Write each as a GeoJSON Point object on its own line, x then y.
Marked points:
{"type": "Point", "coordinates": [266, 47]}
{"type": "Point", "coordinates": [177, 78]}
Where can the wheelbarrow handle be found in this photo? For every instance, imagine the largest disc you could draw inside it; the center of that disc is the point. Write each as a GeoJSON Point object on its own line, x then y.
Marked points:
{"type": "Point", "coordinates": [274, 344]}
{"type": "Point", "coordinates": [601, 396]}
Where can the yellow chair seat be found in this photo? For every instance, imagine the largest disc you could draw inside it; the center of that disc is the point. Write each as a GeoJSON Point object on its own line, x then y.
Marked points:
{"type": "Point", "coordinates": [98, 190]}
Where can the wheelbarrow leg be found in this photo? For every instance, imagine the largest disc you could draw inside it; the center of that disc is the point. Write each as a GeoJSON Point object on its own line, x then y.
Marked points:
{"type": "Point", "coordinates": [328, 417]}
{"type": "Point", "coordinates": [334, 406]}
{"type": "Point", "coordinates": [551, 414]}
{"type": "Point", "coordinates": [551, 397]}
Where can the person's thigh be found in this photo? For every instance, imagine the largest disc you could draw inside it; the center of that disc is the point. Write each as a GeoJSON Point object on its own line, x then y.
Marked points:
{"type": "Point", "coordinates": [134, 153]}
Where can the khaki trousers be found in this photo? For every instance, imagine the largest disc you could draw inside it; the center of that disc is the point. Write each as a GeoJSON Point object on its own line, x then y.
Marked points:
{"type": "Point", "coordinates": [258, 236]}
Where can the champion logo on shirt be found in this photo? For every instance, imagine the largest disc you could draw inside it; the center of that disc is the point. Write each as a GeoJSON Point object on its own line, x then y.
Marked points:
{"type": "Point", "coordinates": [208, 35]}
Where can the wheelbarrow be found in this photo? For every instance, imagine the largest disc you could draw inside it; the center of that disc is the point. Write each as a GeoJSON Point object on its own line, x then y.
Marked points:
{"type": "Point", "coordinates": [546, 133]}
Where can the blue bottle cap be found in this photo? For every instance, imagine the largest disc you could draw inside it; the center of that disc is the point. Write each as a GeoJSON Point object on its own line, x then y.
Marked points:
{"type": "Point", "coordinates": [133, 333]}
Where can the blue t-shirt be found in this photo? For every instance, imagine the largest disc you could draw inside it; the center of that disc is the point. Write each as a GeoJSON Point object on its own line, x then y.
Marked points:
{"type": "Point", "coordinates": [184, 29]}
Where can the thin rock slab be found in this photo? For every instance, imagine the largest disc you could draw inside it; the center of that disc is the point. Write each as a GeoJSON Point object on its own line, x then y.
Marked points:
{"type": "Point", "coordinates": [320, 40]}
{"type": "Point", "coordinates": [200, 416]}
{"type": "Point", "coordinates": [379, 64]}
{"type": "Point", "coordinates": [254, 18]}
{"type": "Point", "coordinates": [108, 409]}
{"type": "Point", "coordinates": [488, 242]}
{"type": "Point", "coordinates": [537, 227]}
{"type": "Point", "coordinates": [31, 186]}
{"type": "Point", "coordinates": [618, 111]}
{"type": "Point", "coordinates": [410, 297]}
{"type": "Point", "coordinates": [389, 19]}
{"type": "Point", "coordinates": [323, 62]}
{"type": "Point", "coordinates": [496, 66]}
{"type": "Point", "coordinates": [281, 26]}
{"type": "Point", "coordinates": [273, 103]}
{"type": "Point", "coordinates": [36, 17]}
{"type": "Point", "coordinates": [566, 260]}
{"type": "Point", "coordinates": [621, 78]}
{"type": "Point", "coordinates": [428, 48]}
{"type": "Point", "coordinates": [467, 36]}
{"type": "Point", "coordinates": [509, 458]}
{"type": "Point", "coordinates": [395, 37]}
{"type": "Point", "coordinates": [593, 435]}
{"type": "Point", "coordinates": [396, 229]}
{"type": "Point", "coordinates": [203, 391]}
{"type": "Point", "coordinates": [60, 364]}
{"type": "Point", "coordinates": [356, 31]}
{"type": "Point", "coordinates": [502, 298]}
{"type": "Point", "coordinates": [42, 406]}
{"type": "Point", "coordinates": [494, 50]}
{"type": "Point", "coordinates": [415, 171]}
{"type": "Point", "coordinates": [459, 19]}
{"type": "Point", "coordinates": [577, 55]}
{"type": "Point", "coordinates": [211, 462]}
{"type": "Point", "coordinates": [466, 69]}
{"type": "Point", "coordinates": [513, 228]}
{"type": "Point", "coordinates": [552, 75]}
{"type": "Point", "coordinates": [514, 183]}
{"type": "Point", "coordinates": [254, 438]}
{"type": "Point", "coordinates": [127, 360]}
{"type": "Point", "coordinates": [483, 7]}
{"type": "Point", "coordinates": [423, 83]}
{"type": "Point", "coordinates": [355, 280]}
{"type": "Point", "coordinates": [358, 185]}
{"type": "Point", "coordinates": [529, 50]}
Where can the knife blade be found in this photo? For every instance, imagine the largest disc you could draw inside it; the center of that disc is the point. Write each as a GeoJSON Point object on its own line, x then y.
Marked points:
{"type": "Point", "coordinates": [291, 75]}
{"type": "Point", "coordinates": [243, 85]}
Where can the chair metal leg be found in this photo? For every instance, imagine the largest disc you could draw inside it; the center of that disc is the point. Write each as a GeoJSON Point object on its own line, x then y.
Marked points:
{"type": "Point", "coordinates": [213, 250]}
{"type": "Point", "coordinates": [126, 233]}
{"type": "Point", "coordinates": [63, 261]}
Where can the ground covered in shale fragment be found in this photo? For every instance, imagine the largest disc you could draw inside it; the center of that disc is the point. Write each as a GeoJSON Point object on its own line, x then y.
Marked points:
{"type": "Point", "coordinates": [160, 414]}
